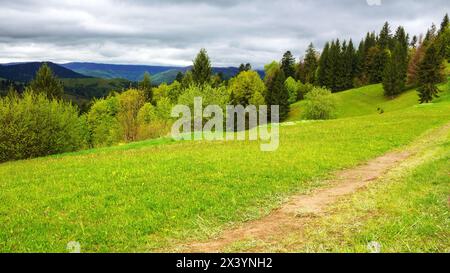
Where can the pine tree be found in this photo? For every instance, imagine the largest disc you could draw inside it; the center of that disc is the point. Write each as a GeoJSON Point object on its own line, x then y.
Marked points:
{"type": "Point", "coordinates": [277, 93]}
{"type": "Point", "coordinates": [179, 77]}
{"type": "Point", "coordinates": [323, 66]}
{"type": "Point", "coordinates": [334, 64]}
{"type": "Point", "coordinates": [385, 37]}
{"type": "Point", "coordinates": [349, 63]}
{"type": "Point", "coordinates": [444, 25]}
{"type": "Point", "coordinates": [310, 65]}
{"type": "Point", "coordinates": [201, 70]}
{"type": "Point", "coordinates": [288, 64]}
{"type": "Point", "coordinates": [394, 76]}
{"type": "Point", "coordinates": [430, 74]}
{"type": "Point", "coordinates": [46, 82]}
{"type": "Point", "coordinates": [146, 87]}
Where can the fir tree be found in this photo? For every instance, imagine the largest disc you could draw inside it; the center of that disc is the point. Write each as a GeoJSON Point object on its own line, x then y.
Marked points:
{"type": "Point", "coordinates": [323, 66]}
{"type": "Point", "coordinates": [179, 77]}
{"type": "Point", "coordinates": [430, 74]}
{"type": "Point", "coordinates": [385, 37]}
{"type": "Point", "coordinates": [146, 87]}
{"type": "Point", "coordinates": [310, 65]}
{"type": "Point", "coordinates": [201, 70]}
{"type": "Point", "coordinates": [46, 82]}
{"type": "Point", "coordinates": [444, 25]}
{"type": "Point", "coordinates": [277, 94]}
{"type": "Point", "coordinates": [288, 64]}
{"type": "Point", "coordinates": [394, 76]}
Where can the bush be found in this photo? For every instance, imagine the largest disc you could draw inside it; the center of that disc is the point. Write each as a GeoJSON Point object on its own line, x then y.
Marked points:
{"type": "Point", "coordinates": [320, 104]}
{"type": "Point", "coordinates": [103, 124]}
{"type": "Point", "coordinates": [35, 126]}
{"type": "Point", "coordinates": [154, 121]}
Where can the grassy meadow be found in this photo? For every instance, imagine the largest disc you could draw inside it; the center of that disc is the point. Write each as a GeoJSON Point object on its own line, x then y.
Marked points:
{"type": "Point", "coordinates": [156, 194]}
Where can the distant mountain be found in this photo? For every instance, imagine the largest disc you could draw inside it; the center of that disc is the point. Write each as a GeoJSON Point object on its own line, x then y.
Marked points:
{"type": "Point", "coordinates": [25, 72]}
{"type": "Point", "coordinates": [111, 71]}
{"type": "Point", "coordinates": [159, 74]}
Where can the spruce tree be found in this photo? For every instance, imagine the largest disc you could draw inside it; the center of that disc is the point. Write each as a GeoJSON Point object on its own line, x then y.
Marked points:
{"type": "Point", "coordinates": [46, 82]}
{"type": "Point", "coordinates": [445, 24]}
{"type": "Point", "coordinates": [277, 94]}
{"type": "Point", "coordinates": [288, 64]}
{"type": "Point", "coordinates": [310, 64]}
{"type": "Point", "coordinates": [430, 74]}
{"type": "Point", "coordinates": [179, 77]}
{"type": "Point", "coordinates": [394, 76]}
{"type": "Point", "coordinates": [385, 37]}
{"type": "Point", "coordinates": [323, 66]}
{"type": "Point", "coordinates": [201, 70]}
{"type": "Point", "coordinates": [146, 87]}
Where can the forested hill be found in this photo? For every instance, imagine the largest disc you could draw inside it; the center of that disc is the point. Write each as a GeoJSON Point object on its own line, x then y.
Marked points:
{"type": "Point", "coordinates": [25, 72]}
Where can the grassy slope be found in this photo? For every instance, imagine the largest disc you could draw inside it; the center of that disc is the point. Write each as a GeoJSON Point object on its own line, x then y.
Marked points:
{"type": "Point", "coordinates": [405, 212]}
{"type": "Point", "coordinates": [141, 197]}
{"type": "Point", "coordinates": [364, 101]}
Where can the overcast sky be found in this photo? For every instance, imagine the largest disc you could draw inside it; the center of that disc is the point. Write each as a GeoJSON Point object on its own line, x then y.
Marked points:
{"type": "Point", "coordinates": [170, 32]}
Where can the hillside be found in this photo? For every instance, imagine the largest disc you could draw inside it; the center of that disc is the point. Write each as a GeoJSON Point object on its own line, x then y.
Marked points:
{"type": "Point", "coordinates": [122, 198]}
{"type": "Point", "coordinates": [364, 101]}
{"type": "Point", "coordinates": [25, 72]}
{"type": "Point", "coordinates": [111, 71]}
{"type": "Point", "coordinates": [89, 88]}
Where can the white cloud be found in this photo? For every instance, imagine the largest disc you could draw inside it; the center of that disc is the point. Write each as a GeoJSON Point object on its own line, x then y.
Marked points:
{"type": "Point", "coordinates": [171, 32]}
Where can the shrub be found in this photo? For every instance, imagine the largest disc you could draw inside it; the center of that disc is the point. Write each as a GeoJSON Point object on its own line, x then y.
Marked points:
{"type": "Point", "coordinates": [154, 121]}
{"type": "Point", "coordinates": [320, 104]}
{"type": "Point", "coordinates": [103, 124]}
{"type": "Point", "coordinates": [35, 126]}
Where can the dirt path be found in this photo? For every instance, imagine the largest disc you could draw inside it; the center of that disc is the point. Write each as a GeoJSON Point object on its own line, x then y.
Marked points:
{"type": "Point", "coordinates": [293, 215]}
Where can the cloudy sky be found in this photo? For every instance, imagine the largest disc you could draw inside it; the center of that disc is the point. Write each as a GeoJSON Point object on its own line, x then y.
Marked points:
{"type": "Point", "coordinates": [170, 32]}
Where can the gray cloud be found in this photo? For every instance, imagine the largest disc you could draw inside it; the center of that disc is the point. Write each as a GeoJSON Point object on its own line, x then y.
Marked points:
{"type": "Point", "coordinates": [171, 31]}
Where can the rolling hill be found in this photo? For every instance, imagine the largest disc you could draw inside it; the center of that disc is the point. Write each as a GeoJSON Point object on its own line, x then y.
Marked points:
{"type": "Point", "coordinates": [25, 72]}
{"type": "Point", "coordinates": [122, 199]}
{"type": "Point", "coordinates": [159, 74]}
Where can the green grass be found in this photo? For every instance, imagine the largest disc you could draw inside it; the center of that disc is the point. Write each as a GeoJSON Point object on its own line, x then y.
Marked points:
{"type": "Point", "coordinates": [405, 212]}
{"type": "Point", "coordinates": [141, 197]}
{"type": "Point", "coordinates": [155, 194]}
{"type": "Point", "coordinates": [365, 101]}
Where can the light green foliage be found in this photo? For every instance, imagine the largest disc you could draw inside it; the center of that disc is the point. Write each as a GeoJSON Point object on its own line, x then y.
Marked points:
{"type": "Point", "coordinates": [130, 102]}
{"type": "Point", "coordinates": [210, 96]}
{"type": "Point", "coordinates": [319, 104]}
{"type": "Point", "coordinates": [103, 123]}
{"type": "Point", "coordinates": [270, 69]}
{"type": "Point", "coordinates": [154, 121]}
{"type": "Point", "coordinates": [172, 92]}
{"type": "Point", "coordinates": [246, 87]}
{"type": "Point", "coordinates": [36, 126]}
{"type": "Point", "coordinates": [293, 88]}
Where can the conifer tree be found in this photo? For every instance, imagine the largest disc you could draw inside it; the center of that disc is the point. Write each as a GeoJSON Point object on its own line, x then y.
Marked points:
{"type": "Point", "coordinates": [277, 94]}
{"type": "Point", "coordinates": [310, 65]}
{"type": "Point", "coordinates": [394, 76]}
{"type": "Point", "coordinates": [179, 77]}
{"type": "Point", "coordinates": [46, 82]}
{"type": "Point", "coordinates": [288, 64]}
{"type": "Point", "coordinates": [430, 74]}
{"type": "Point", "coordinates": [385, 37]}
{"type": "Point", "coordinates": [146, 87]}
{"type": "Point", "coordinates": [201, 70]}
{"type": "Point", "coordinates": [323, 66]}
{"type": "Point", "coordinates": [445, 24]}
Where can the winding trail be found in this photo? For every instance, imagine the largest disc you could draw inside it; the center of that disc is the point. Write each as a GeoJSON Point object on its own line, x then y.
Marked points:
{"type": "Point", "coordinates": [293, 215]}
